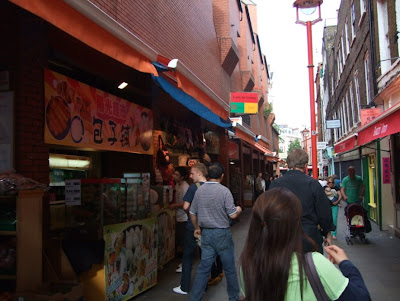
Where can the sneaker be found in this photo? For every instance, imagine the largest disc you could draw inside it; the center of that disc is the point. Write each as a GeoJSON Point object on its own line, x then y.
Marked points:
{"type": "Point", "coordinates": [180, 265]}
{"type": "Point", "coordinates": [179, 291]}
{"type": "Point", "coordinates": [179, 270]}
{"type": "Point", "coordinates": [221, 275]}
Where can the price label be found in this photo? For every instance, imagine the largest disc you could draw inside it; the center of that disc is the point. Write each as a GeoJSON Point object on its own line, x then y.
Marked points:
{"type": "Point", "coordinates": [72, 192]}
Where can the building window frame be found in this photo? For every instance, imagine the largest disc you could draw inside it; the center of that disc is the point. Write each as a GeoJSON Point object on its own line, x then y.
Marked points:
{"type": "Point", "coordinates": [367, 73]}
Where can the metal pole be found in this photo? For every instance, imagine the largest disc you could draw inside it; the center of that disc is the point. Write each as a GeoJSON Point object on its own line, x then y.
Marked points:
{"type": "Point", "coordinates": [312, 101]}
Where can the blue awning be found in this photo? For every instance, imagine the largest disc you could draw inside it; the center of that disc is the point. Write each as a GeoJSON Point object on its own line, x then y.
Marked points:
{"type": "Point", "coordinates": [191, 103]}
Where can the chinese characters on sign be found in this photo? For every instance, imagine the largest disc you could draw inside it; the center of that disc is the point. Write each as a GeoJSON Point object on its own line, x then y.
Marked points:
{"type": "Point", "coordinates": [80, 115]}
{"type": "Point", "coordinates": [386, 170]}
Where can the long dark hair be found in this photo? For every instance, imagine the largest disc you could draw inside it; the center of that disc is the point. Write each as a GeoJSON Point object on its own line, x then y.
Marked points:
{"type": "Point", "coordinates": [275, 234]}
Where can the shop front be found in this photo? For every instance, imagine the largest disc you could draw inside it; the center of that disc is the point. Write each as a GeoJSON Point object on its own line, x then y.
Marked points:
{"type": "Point", "coordinates": [105, 218]}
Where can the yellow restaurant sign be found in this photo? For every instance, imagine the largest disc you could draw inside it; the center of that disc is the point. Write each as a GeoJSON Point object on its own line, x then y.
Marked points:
{"type": "Point", "coordinates": [82, 116]}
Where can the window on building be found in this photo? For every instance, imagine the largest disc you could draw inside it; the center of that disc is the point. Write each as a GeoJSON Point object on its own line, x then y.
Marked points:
{"type": "Point", "coordinates": [338, 67]}
{"type": "Point", "coordinates": [349, 112]}
{"type": "Point", "coordinates": [343, 51]}
{"type": "Point", "coordinates": [367, 78]}
{"type": "Point", "coordinates": [353, 22]}
{"type": "Point", "coordinates": [344, 115]}
{"type": "Point", "coordinates": [335, 131]}
{"type": "Point", "coordinates": [346, 38]}
{"type": "Point", "coordinates": [363, 8]}
{"type": "Point", "coordinates": [357, 94]}
{"type": "Point", "coordinates": [246, 119]}
{"type": "Point", "coordinates": [354, 113]}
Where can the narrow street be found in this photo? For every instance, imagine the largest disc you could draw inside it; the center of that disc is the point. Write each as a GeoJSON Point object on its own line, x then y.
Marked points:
{"type": "Point", "coordinates": [378, 262]}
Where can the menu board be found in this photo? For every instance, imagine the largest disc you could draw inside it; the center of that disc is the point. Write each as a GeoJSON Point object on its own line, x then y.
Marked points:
{"type": "Point", "coordinates": [166, 236]}
{"type": "Point", "coordinates": [81, 116]}
{"type": "Point", "coordinates": [130, 258]}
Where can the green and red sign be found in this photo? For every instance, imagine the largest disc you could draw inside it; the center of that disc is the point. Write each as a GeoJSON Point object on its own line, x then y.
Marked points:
{"type": "Point", "coordinates": [244, 102]}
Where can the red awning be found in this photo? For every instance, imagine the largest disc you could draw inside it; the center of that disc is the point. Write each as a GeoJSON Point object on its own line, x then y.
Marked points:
{"type": "Point", "coordinates": [346, 145]}
{"type": "Point", "coordinates": [386, 124]}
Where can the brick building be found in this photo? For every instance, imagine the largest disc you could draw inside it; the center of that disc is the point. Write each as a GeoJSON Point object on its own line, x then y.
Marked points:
{"type": "Point", "coordinates": [93, 46]}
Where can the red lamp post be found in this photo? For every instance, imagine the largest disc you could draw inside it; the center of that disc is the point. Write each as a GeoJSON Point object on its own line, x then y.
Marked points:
{"type": "Point", "coordinates": [305, 133]}
{"type": "Point", "coordinates": [308, 7]}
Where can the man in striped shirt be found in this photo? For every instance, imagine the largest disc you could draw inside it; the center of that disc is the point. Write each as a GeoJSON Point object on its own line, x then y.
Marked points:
{"type": "Point", "coordinates": [211, 208]}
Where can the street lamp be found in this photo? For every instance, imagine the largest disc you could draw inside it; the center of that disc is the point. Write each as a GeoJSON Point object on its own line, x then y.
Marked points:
{"type": "Point", "coordinates": [308, 7]}
{"type": "Point", "coordinates": [305, 133]}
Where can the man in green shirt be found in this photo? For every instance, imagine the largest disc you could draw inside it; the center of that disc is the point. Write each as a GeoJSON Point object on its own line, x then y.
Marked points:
{"type": "Point", "coordinates": [352, 187]}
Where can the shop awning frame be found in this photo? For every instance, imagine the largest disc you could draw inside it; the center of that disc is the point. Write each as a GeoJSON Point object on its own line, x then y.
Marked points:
{"type": "Point", "coordinates": [346, 145]}
{"type": "Point", "coordinates": [191, 103]}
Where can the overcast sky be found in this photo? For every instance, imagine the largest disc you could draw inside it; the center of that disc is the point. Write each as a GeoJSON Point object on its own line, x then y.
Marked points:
{"type": "Point", "coordinates": [284, 44]}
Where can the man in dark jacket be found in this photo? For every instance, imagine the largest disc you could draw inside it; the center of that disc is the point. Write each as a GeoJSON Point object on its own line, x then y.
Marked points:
{"type": "Point", "coordinates": [316, 206]}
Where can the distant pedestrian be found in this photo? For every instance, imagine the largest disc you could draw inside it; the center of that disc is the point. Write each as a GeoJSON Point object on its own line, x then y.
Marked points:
{"type": "Point", "coordinates": [335, 201]}
{"type": "Point", "coordinates": [353, 187]}
{"type": "Point", "coordinates": [211, 208]}
{"type": "Point", "coordinates": [273, 266]}
{"type": "Point", "coordinates": [259, 186]}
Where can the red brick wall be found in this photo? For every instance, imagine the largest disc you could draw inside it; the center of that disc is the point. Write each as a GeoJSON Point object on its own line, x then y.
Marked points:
{"type": "Point", "coordinates": [31, 153]}
{"type": "Point", "coordinates": [187, 33]}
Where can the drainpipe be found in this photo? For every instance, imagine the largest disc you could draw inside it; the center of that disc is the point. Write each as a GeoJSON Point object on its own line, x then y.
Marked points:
{"type": "Point", "coordinates": [373, 51]}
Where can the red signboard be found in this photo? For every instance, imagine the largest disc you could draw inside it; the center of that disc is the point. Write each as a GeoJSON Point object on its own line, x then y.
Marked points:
{"type": "Point", "coordinates": [345, 145]}
{"type": "Point", "coordinates": [246, 97]}
{"type": "Point", "coordinates": [386, 170]}
{"type": "Point", "coordinates": [383, 127]}
{"type": "Point", "coordinates": [367, 115]}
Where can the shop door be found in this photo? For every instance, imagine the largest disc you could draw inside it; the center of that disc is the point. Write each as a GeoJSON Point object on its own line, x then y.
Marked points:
{"type": "Point", "coordinates": [373, 189]}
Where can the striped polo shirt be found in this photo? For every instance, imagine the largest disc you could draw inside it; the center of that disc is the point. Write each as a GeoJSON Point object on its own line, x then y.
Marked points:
{"type": "Point", "coordinates": [213, 204]}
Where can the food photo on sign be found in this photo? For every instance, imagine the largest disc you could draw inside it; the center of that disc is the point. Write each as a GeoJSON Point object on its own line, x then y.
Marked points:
{"type": "Point", "coordinates": [80, 115]}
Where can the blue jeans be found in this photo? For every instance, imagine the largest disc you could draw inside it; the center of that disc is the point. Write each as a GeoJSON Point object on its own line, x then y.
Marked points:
{"type": "Point", "coordinates": [213, 242]}
{"type": "Point", "coordinates": [189, 247]}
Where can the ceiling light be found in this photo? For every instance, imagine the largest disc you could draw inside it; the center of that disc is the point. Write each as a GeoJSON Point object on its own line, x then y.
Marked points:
{"type": "Point", "coordinates": [122, 85]}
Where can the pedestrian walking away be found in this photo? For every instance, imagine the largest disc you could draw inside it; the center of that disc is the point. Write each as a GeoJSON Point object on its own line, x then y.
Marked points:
{"type": "Point", "coordinates": [316, 206]}
{"type": "Point", "coordinates": [210, 211]}
{"type": "Point", "coordinates": [274, 267]}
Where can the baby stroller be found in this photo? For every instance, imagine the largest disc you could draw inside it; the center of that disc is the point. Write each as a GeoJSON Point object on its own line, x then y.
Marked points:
{"type": "Point", "coordinates": [355, 223]}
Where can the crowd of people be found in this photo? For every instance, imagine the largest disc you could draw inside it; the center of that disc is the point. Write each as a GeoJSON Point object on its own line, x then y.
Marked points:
{"type": "Point", "coordinates": [288, 254]}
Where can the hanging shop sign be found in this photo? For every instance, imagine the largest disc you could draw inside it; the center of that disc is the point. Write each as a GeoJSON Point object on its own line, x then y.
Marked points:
{"type": "Point", "coordinates": [367, 115]}
{"type": "Point", "coordinates": [386, 170]}
{"type": "Point", "coordinates": [212, 142]}
{"type": "Point", "coordinates": [82, 116]}
{"type": "Point", "coordinates": [244, 102]}
{"type": "Point", "coordinates": [333, 124]}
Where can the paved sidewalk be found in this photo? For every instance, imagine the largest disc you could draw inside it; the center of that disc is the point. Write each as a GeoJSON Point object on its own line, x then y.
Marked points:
{"type": "Point", "coordinates": [378, 262]}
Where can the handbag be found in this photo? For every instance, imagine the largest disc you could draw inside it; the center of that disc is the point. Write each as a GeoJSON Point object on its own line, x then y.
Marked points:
{"type": "Point", "coordinates": [313, 278]}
